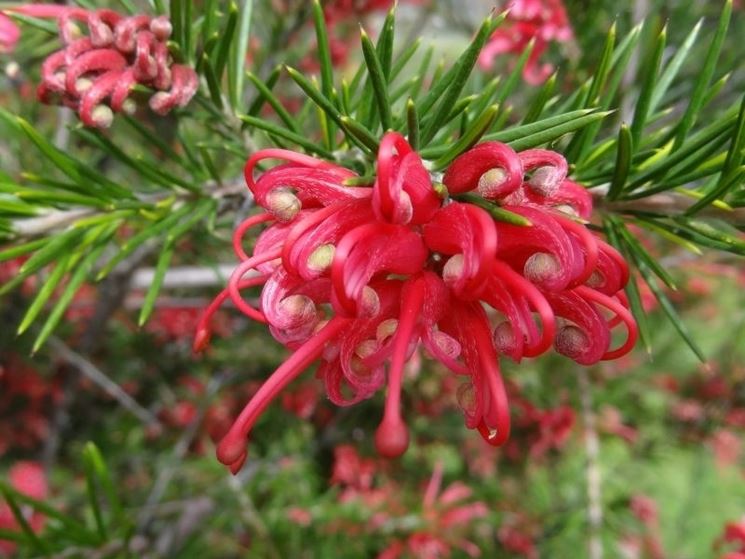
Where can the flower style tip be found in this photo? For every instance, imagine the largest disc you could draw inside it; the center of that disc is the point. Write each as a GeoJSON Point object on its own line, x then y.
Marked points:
{"type": "Point", "coordinates": [392, 438]}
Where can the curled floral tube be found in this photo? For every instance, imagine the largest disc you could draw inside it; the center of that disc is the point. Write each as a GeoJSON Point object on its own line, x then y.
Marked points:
{"type": "Point", "coordinates": [536, 345]}
{"type": "Point", "coordinates": [549, 169]}
{"type": "Point", "coordinates": [241, 230]}
{"type": "Point", "coordinates": [403, 190]}
{"type": "Point", "coordinates": [237, 278]}
{"type": "Point", "coordinates": [468, 236]}
{"type": "Point", "coordinates": [621, 312]}
{"type": "Point", "coordinates": [232, 449]}
{"type": "Point", "coordinates": [369, 250]}
{"type": "Point", "coordinates": [203, 330]}
{"type": "Point", "coordinates": [492, 169]}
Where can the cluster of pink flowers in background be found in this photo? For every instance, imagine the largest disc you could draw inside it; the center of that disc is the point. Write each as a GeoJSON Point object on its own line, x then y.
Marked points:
{"type": "Point", "coordinates": [733, 538]}
{"type": "Point", "coordinates": [27, 478]}
{"type": "Point", "coordinates": [541, 21]}
{"type": "Point", "coordinates": [26, 399]}
{"type": "Point", "coordinates": [359, 277]}
{"type": "Point", "coordinates": [436, 528]}
{"type": "Point", "coordinates": [94, 74]}
{"type": "Point", "coordinates": [9, 34]}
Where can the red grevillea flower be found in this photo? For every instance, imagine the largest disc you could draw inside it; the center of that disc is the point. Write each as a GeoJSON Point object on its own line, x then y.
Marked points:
{"type": "Point", "coordinates": [357, 278]}
{"type": "Point", "coordinates": [443, 514]}
{"type": "Point", "coordinates": [27, 478]}
{"type": "Point", "coordinates": [542, 21]}
{"type": "Point", "coordinates": [9, 34]}
{"type": "Point", "coordinates": [733, 536]}
{"type": "Point", "coordinates": [94, 73]}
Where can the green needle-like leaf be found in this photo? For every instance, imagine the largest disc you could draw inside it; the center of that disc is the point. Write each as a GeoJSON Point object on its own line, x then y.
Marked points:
{"type": "Point", "coordinates": [226, 38]}
{"type": "Point", "coordinates": [99, 467]}
{"type": "Point", "coordinates": [298, 139]}
{"type": "Point", "coordinates": [51, 251]}
{"type": "Point", "coordinates": [378, 79]}
{"type": "Point", "coordinates": [645, 96]}
{"type": "Point", "coordinates": [512, 134]}
{"type": "Point", "coordinates": [737, 146]}
{"type": "Point", "coordinates": [403, 58]}
{"type": "Point", "coordinates": [539, 103]}
{"type": "Point", "coordinates": [323, 102]}
{"type": "Point", "coordinates": [91, 486]}
{"type": "Point", "coordinates": [641, 256]}
{"type": "Point", "coordinates": [213, 84]}
{"type": "Point", "coordinates": [151, 296]}
{"type": "Point", "coordinates": [412, 123]}
{"type": "Point", "coordinates": [238, 54]}
{"type": "Point", "coordinates": [704, 77]}
{"type": "Point", "coordinates": [271, 81]}
{"type": "Point", "coordinates": [724, 185]}
{"type": "Point", "coordinates": [670, 311]}
{"type": "Point", "coordinates": [384, 48]}
{"type": "Point", "coordinates": [77, 278]}
{"type": "Point", "coordinates": [40, 545]}
{"type": "Point", "coordinates": [637, 309]}
{"type": "Point", "coordinates": [177, 21]}
{"type": "Point", "coordinates": [556, 132]}
{"type": "Point", "coordinates": [22, 249]}
{"type": "Point", "coordinates": [275, 103]}
{"type": "Point", "coordinates": [623, 162]}
{"type": "Point", "coordinates": [324, 59]}
{"type": "Point", "coordinates": [601, 74]}
{"type": "Point", "coordinates": [47, 289]}
{"type": "Point", "coordinates": [461, 71]}
{"type": "Point", "coordinates": [199, 212]}
{"type": "Point", "coordinates": [150, 231]}
{"type": "Point", "coordinates": [663, 83]}
{"type": "Point", "coordinates": [516, 74]}
{"type": "Point", "coordinates": [73, 528]}
{"type": "Point", "coordinates": [497, 213]}
{"type": "Point", "coordinates": [354, 129]}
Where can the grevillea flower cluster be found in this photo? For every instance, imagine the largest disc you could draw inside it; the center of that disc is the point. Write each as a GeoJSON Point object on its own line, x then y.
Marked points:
{"type": "Point", "coordinates": [358, 277]}
{"type": "Point", "coordinates": [541, 21]}
{"type": "Point", "coordinates": [94, 74]}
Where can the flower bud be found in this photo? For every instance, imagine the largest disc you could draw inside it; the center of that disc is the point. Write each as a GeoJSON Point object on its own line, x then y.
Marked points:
{"type": "Point", "coordinates": [466, 397]}
{"type": "Point", "coordinates": [446, 344]}
{"type": "Point", "coordinates": [571, 341]}
{"type": "Point", "coordinates": [161, 27]}
{"type": "Point", "coordinates": [369, 303]}
{"type": "Point", "coordinates": [453, 269]}
{"type": "Point", "coordinates": [321, 258]}
{"type": "Point", "coordinates": [491, 183]}
{"type": "Point", "coordinates": [386, 329]}
{"type": "Point", "coordinates": [540, 267]}
{"type": "Point", "coordinates": [504, 338]}
{"type": "Point", "coordinates": [283, 204]}
{"type": "Point", "coordinates": [102, 116]}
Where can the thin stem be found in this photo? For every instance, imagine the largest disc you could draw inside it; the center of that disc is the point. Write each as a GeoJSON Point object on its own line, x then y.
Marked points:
{"type": "Point", "coordinates": [592, 469]}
